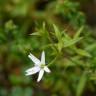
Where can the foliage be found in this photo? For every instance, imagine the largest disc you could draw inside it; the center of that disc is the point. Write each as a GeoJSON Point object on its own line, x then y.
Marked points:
{"type": "Point", "coordinates": [59, 28]}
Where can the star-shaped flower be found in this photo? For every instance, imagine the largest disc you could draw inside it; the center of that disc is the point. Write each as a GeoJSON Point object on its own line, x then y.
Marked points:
{"type": "Point", "coordinates": [39, 66]}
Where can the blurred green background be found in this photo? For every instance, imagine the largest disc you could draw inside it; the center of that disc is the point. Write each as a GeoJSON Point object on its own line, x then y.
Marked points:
{"type": "Point", "coordinates": [65, 29]}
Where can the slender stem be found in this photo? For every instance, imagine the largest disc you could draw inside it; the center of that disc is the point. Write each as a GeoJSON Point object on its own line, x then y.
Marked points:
{"type": "Point", "coordinates": [53, 61]}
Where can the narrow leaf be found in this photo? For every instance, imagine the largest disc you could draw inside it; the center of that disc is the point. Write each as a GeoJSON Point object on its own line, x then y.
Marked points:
{"type": "Point", "coordinates": [57, 32]}
{"type": "Point", "coordinates": [83, 52]}
{"type": "Point", "coordinates": [36, 34]}
{"type": "Point", "coordinates": [81, 84]}
{"type": "Point", "coordinates": [79, 32]}
{"type": "Point", "coordinates": [71, 42]}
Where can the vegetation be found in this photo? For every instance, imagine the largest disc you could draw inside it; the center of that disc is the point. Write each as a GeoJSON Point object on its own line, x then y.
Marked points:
{"type": "Point", "coordinates": [59, 28]}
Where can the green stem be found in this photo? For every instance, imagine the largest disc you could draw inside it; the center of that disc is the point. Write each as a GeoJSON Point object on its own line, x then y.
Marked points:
{"type": "Point", "coordinates": [53, 61]}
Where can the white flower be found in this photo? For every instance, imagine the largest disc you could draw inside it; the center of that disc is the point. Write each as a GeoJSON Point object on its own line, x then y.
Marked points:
{"type": "Point", "coordinates": [39, 66]}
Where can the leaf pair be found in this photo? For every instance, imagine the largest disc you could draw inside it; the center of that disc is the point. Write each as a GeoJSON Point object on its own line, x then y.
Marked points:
{"type": "Point", "coordinates": [64, 40]}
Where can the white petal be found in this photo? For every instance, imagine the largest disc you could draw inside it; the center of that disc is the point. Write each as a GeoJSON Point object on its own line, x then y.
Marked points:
{"type": "Point", "coordinates": [33, 70]}
{"type": "Point", "coordinates": [47, 69]}
{"type": "Point", "coordinates": [34, 59]}
{"type": "Point", "coordinates": [40, 75]}
{"type": "Point", "coordinates": [43, 58]}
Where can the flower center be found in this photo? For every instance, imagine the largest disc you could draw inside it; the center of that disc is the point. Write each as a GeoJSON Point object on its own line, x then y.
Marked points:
{"type": "Point", "coordinates": [42, 66]}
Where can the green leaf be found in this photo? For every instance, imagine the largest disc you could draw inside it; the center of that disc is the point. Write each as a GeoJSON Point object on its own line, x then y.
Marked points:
{"type": "Point", "coordinates": [59, 45]}
{"type": "Point", "coordinates": [36, 34]}
{"type": "Point", "coordinates": [81, 84]}
{"type": "Point", "coordinates": [93, 76]}
{"type": "Point", "coordinates": [57, 33]}
{"type": "Point", "coordinates": [10, 25]}
{"type": "Point", "coordinates": [66, 36]}
{"type": "Point", "coordinates": [83, 52]}
{"type": "Point", "coordinates": [71, 42]}
{"type": "Point", "coordinates": [91, 47]}
{"type": "Point", "coordinates": [78, 32]}
{"type": "Point", "coordinates": [44, 26]}
{"type": "Point", "coordinates": [40, 31]}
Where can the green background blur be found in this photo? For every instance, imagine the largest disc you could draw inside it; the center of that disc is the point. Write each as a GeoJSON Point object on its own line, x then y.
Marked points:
{"type": "Point", "coordinates": [73, 73]}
